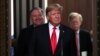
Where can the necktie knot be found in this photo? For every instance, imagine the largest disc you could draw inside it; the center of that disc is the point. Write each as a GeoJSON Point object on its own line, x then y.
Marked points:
{"type": "Point", "coordinates": [54, 28]}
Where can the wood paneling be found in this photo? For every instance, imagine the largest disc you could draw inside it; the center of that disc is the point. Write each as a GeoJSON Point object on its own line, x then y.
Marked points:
{"type": "Point", "coordinates": [98, 26]}
{"type": "Point", "coordinates": [4, 28]}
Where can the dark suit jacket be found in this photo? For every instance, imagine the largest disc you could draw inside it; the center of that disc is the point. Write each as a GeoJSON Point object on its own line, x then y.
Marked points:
{"type": "Point", "coordinates": [42, 47]}
{"type": "Point", "coordinates": [23, 41]}
{"type": "Point", "coordinates": [85, 42]}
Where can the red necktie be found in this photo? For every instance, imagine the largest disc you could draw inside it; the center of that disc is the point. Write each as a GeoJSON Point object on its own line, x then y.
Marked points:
{"type": "Point", "coordinates": [77, 44]}
{"type": "Point", "coordinates": [53, 40]}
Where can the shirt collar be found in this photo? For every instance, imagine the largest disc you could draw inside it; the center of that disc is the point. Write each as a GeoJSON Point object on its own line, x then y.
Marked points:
{"type": "Point", "coordinates": [78, 31]}
{"type": "Point", "coordinates": [51, 26]}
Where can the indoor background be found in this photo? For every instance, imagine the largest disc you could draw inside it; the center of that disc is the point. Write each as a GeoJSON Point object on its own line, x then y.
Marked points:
{"type": "Point", "coordinates": [14, 16]}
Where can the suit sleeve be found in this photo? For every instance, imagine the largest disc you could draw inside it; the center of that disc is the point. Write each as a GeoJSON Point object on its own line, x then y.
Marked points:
{"type": "Point", "coordinates": [32, 45]}
{"type": "Point", "coordinates": [20, 49]}
{"type": "Point", "coordinates": [89, 45]}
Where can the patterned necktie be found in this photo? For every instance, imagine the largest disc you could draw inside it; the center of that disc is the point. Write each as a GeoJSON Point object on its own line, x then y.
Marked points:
{"type": "Point", "coordinates": [53, 40]}
{"type": "Point", "coordinates": [77, 43]}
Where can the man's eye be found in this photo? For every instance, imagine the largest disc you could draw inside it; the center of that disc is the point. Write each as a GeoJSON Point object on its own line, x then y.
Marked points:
{"type": "Point", "coordinates": [53, 14]}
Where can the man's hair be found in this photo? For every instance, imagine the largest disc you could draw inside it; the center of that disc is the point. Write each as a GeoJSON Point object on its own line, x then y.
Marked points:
{"type": "Point", "coordinates": [74, 14]}
{"type": "Point", "coordinates": [53, 7]}
{"type": "Point", "coordinates": [36, 8]}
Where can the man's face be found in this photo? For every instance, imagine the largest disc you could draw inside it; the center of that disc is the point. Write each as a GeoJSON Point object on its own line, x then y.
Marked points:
{"type": "Point", "coordinates": [54, 17]}
{"type": "Point", "coordinates": [37, 17]}
{"type": "Point", "coordinates": [75, 23]}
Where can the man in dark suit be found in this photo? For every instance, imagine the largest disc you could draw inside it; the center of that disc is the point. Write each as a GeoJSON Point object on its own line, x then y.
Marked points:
{"type": "Point", "coordinates": [53, 38]}
{"type": "Point", "coordinates": [37, 18]}
{"type": "Point", "coordinates": [82, 38]}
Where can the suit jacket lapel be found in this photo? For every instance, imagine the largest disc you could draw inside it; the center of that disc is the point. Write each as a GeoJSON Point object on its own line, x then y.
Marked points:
{"type": "Point", "coordinates": [80, 38]}
{"type": "Point", "coordinates": [47, 38]}
{"type": "Point", "coordinates": [59, 47]}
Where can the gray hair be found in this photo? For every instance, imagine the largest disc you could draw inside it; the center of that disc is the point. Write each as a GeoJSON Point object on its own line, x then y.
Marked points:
{"type": "Point", "coordinates": [74, 14]}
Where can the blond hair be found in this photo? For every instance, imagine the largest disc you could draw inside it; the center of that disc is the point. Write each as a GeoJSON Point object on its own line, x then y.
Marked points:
{"type": "Point", "coordinates": [53, 7]}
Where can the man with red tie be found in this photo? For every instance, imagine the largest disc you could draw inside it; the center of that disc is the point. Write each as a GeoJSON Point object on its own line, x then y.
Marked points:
{"type": "Point", "coordinates": [82, 38]}
{"type": "Point", "coordinates": [53, 38]}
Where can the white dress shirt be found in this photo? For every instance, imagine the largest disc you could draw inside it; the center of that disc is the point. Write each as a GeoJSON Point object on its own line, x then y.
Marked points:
{"type": "Point", "coordinates": [51, 30]}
